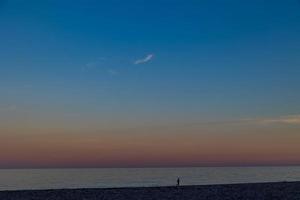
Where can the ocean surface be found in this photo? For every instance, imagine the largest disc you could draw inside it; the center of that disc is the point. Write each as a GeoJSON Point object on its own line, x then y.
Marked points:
{"type": "Point", "coordinates": [23, 179]}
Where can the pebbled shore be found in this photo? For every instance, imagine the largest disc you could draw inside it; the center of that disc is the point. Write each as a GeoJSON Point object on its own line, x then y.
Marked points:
{"type": "Point", "coordinates": [249, 191]}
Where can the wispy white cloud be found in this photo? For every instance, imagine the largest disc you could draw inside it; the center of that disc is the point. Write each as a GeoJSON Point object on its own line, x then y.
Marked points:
{"type": "Point", "coordinates": [285, 119]}
{"type": "Point", "coordinates": [112, 72]}
{"type": "Point", "coordinates": [281, 120]}
{"type": "Point", "coordinates": [144, 60]}
{"type": "Point", "coordinates": [94, 64]}
{"type": "Point", "coordinates": [290, 119]}
{"type": "Point", "coordinates": [91, 65]}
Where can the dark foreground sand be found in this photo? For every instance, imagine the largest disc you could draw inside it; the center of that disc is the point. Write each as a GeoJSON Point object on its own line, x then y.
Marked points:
{"type": "Point", "coordinates": [255, 191]}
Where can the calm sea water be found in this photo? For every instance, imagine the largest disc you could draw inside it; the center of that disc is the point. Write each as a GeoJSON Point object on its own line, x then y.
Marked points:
{"type": "Point", "coordinates": [16, 179]}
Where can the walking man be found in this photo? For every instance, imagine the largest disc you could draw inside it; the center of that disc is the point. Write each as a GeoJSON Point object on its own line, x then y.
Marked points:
{"type": "Point", "coordinates": [178, 181]}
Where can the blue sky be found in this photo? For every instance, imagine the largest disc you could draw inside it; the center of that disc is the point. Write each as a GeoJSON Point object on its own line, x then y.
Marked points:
{"type": "Point", "coordinates": [147, 62]}
{"type": "Point", "coordinates": [219, 58]}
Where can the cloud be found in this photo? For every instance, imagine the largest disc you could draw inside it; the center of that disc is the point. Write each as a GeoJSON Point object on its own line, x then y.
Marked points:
{"type": "Point", "coordinates": [290, 119]}
{"type": "Point", "coordinates": [144, 60]}
{"type": "Point", "coordinates": [90, 65]}
{"type": "Point", "coordinates": [112, 72]}
{"type": "Point", "coordinates": [283, 120]}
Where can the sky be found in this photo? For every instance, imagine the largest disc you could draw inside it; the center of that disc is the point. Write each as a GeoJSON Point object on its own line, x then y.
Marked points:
{"type": "Point", "coordinates": [149, 83]}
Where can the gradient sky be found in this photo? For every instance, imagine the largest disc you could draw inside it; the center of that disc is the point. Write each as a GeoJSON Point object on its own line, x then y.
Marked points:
{"type": "Point", "coordinates": [149, 83]}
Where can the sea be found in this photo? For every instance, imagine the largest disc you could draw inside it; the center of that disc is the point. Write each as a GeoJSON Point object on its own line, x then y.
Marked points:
{"type": "Point", "coordinates": [29, 179]}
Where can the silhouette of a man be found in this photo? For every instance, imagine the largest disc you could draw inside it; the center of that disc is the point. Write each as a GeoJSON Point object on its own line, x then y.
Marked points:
{"type": "Point", "coordinates": [178, 181]}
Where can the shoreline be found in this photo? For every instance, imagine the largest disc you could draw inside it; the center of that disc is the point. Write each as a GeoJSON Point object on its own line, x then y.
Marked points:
{"type": "Point", "coordinates": [151, 187]}
{"type": "Point", "coordinates": [265, 190]}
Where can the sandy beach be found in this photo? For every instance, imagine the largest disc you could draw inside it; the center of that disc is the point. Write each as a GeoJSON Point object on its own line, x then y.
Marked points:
{"type": "Point", "coordinates": [257, 191]}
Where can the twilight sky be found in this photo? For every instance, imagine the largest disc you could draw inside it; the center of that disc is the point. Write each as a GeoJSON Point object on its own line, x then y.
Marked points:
{"type": "Point", "coordinates": [149, 83]}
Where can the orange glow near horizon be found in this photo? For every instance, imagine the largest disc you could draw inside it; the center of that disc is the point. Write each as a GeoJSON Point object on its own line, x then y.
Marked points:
{"type": "Point", "coordinates": [142, 149]}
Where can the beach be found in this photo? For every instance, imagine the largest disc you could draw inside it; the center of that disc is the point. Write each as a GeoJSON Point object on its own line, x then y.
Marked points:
{"type": "Point", "coordinates": [257, 191]}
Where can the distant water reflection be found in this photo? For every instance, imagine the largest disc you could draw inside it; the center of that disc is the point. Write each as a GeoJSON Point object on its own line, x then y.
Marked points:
{"type": "Point", "coordinates": [16, 179]}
